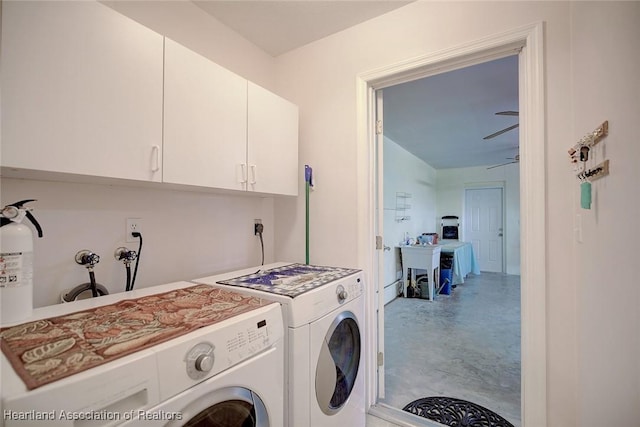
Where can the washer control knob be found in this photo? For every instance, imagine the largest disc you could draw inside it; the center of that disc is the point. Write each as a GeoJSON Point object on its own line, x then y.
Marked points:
{"type": "Point", "coordinates": [204, 363]}
{"type": "Point", "coordinates": [342, 294]}
{"type": "Point", "coordinates": [199, 360]}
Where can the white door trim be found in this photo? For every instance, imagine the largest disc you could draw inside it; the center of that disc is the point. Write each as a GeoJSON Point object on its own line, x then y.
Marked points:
{"type": "Point", "coordinates": [379, 217]}
{"type": "Point", "coordinates": [529, 40]}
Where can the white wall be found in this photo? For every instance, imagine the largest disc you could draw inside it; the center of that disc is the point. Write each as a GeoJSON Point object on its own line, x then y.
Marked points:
{"type": "Point", "coordinates": [321, 78]}
{"type": "Point", "coordinates": [605, 62]}
{"type": "Point", "coordinates": [186, 234]}
{"type": "Point", "coordinates": [451, 184]}
{"type": "Point", "coordinates": [405, 173]}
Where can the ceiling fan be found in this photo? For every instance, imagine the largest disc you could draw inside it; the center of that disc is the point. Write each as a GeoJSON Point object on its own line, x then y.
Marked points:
{"type": "Point", "coordinates": [507, 129]}
{"type": "Point", "coordinates": [515, 159]}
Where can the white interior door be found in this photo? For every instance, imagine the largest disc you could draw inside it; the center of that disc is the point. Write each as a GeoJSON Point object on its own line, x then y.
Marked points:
{"type": "Point", "coordinates": [484, 227]}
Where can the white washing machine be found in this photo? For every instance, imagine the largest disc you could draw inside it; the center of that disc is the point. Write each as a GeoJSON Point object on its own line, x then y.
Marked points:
{"type": "Point", "coordinates": [323, 309]}
{"type": "Point", "coordinates": [227, 374]}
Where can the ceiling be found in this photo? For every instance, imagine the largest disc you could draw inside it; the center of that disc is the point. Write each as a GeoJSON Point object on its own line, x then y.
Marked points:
{"type": "Point", "coordinates": [440, 119]}
{"type": "Point", "coordinates": [280, 26]}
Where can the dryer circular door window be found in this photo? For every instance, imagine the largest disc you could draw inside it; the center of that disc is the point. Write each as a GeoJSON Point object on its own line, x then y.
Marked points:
{"type": "Point", "coordinates": [338, 362]}
{"type": "Point", "coordinates": [228, 407]}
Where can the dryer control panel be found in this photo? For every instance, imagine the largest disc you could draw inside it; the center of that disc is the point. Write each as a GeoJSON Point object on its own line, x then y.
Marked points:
{"type": "Point", "coordinates": [353, 287]}
{"type": "Point", "coordinates": [200, 360]}
{"type": "Point", "coordinates": [349, 289]}
{"type": "Point", "coordinates": [314, 304]}
{"type": "Point", "coordinates": [215, 348]}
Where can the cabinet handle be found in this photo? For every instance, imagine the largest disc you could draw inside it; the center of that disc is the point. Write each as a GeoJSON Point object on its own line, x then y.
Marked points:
{"type": "Point", "coordinates": [254, 175]}
{"type": "Point", "coordinates": [155, 154]}
{"type": "Point", "coordinates": [242, 178]}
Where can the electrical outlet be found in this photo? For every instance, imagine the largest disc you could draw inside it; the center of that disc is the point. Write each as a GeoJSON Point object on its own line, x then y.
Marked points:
{"type": "Point", "coordinates": [257, 226]}
{"type": "Point", "coordinates": [133, 225]}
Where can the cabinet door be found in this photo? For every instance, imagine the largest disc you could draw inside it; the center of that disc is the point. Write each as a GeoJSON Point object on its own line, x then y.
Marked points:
{"type": "Point", "coordinates": [205, 121]}
{"type": "Point", "coordinates": [272, 143]}
{"type": "Point", "coordinates": [82, 91]}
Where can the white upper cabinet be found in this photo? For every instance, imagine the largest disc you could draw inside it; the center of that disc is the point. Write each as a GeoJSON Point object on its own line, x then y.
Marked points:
{"type": "Point", "coordinates": [88, 91]}
{"type": "Point", "coordinates": [222, 131]}
{"type": "Point", "coordinates": [272, 143]}
{"type": "Point", "coordinates": [205, 122]}
{"type": "Point", "coordinates": [81, 91]}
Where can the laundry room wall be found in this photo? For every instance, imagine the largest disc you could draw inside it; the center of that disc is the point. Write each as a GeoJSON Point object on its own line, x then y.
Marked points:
{"type": "Point", "coordinates": [605, 86]}
{"type": "Point", "coordinates": [321, 79]}
{"type": "Point", "coordinates": [185, 234]}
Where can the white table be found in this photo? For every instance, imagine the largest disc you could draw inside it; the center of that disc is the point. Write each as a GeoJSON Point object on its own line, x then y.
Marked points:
{"type": "Point", "coordinates": [420, 257]}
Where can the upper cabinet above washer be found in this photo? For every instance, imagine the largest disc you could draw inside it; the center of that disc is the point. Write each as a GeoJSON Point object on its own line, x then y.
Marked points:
{"type": "Point", "coordinates": [89, 92]}
{"type": "Point", "coordinates": [205, 121]}
{"type": "Point", "coordinates": [82, 91]}
{"type": "Point", "coordinates": [272, 143]}
{"type": "Point", "coordinates": [221, 131]}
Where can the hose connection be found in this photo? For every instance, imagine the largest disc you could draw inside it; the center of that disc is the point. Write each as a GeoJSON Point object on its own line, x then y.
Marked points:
{"type": "Point", "coordinates": [125, 255]}
{"type": "Point", "coordinates": [87, 258]}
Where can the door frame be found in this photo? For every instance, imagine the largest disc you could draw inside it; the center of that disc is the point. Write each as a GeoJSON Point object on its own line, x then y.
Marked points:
{"type": "Point", "coordinates": [463, 232]}
{"type": "Point", "coordinates": [528, 43]}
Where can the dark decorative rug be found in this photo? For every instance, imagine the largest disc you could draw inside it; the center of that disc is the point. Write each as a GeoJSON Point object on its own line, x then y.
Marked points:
{"type": "Point", "coordinates": [455, 412]}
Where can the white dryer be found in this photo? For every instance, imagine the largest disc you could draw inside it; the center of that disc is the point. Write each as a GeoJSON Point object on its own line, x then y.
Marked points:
{"type": "Point", "coordinates": [229, 374]}
{"type": "Point", "coordinates": [324, 312]}
{"type": "Point", "coordinates": [230, 377]}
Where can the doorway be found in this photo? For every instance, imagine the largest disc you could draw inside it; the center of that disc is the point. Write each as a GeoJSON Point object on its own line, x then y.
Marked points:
{"type": "Point", "coordinates": [449, 347]}
{"type": "Point", "coordinates": [528, 43]}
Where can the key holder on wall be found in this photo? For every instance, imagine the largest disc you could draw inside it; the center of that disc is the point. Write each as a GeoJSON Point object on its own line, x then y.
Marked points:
{"type": "Point", "coordinates": [582, 154]}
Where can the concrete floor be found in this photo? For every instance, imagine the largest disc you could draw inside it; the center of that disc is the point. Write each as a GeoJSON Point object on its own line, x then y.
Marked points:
{"type": "Point", "coordinates": [465, 345]}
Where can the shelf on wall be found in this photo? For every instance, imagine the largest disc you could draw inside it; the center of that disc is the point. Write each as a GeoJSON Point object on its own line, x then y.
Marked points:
{"type": "Point", "coordinates": [402, 206]}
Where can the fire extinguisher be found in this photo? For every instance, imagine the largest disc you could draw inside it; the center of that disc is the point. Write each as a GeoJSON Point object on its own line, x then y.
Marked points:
{"type": "Point", "coordinates": [16, 261]}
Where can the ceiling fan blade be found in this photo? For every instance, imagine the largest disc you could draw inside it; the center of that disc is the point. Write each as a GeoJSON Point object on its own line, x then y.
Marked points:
{"type": "Point", "coordinates": [500, 132]}
{"type": "Point", "coordinates": [503, 164]}
{"type": "Point", "coordinates": [507, 113]}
